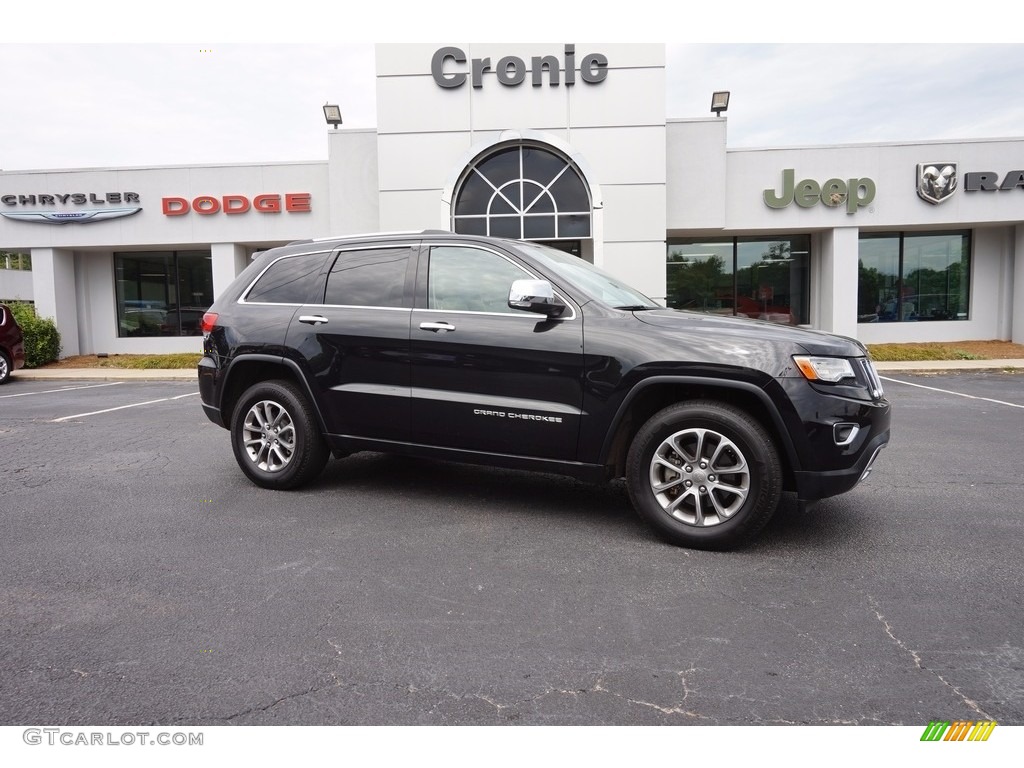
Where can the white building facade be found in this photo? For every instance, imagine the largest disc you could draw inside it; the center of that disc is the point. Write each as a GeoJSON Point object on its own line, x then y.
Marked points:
{"type": "Point", "coordinates": [567, 144]}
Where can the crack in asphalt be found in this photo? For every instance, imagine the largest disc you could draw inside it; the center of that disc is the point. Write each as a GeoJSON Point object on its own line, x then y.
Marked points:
{"type": "Point", "coordinates": [970, 703]}
{"type": "Point", "coordinates": [597, 687]}
{"type": "Point", "coordinates": [271, 705]}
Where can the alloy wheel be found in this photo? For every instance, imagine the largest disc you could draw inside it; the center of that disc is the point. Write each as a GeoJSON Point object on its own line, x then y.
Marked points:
{"type": "Point", "coordinates": [700, 477]}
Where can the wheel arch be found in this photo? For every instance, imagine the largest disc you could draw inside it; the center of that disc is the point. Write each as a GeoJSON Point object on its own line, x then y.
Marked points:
{"type": "Point", "coordinates": [652, 394]}
{"type": "Point", "coordinates": [246, 370]}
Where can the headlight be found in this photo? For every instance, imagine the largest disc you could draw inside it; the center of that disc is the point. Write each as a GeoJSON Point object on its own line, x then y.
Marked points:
{"type": "Point", "coordinates": [831, 369]}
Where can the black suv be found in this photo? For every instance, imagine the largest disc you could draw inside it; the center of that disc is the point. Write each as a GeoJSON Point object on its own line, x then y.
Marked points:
{"type": "Point", "coordinates": [12, 344]}
{"type": "Point", "coordinates": [514, 354]}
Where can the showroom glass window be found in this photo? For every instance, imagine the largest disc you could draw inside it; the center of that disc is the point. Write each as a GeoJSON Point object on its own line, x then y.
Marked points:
{"type": "Point", "coordinates": [524, 191]}
{"type": "Point", "coordinates": [911, 277]}
{"type": "Point", "coordinates": [748, 276]}
{"type": "Point", "coordinates": [162, 293]}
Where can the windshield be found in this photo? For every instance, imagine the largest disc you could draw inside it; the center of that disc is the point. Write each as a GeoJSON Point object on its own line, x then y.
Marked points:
{"type": "Point", "coordinates": [594, 281]}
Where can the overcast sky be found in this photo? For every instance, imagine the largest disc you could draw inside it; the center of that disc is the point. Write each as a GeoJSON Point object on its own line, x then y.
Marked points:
{"type": "Point", "coordinates": [207, 88]}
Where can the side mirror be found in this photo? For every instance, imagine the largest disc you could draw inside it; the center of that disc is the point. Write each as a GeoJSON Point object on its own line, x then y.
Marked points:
{"type": "Point", "coordinates": [535, 296]}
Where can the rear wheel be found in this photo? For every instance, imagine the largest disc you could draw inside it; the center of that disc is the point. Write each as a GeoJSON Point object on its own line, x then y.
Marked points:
{"type": "Point", "coordinates": [5, 367]}
{"type": "Point", "coordinates": [275, 436]}
{"type": "Point", "coordinates": [704, 474]}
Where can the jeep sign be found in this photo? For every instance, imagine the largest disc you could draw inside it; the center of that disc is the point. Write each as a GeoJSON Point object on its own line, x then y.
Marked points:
{"type": "Point", "coordinates": [855, 193]}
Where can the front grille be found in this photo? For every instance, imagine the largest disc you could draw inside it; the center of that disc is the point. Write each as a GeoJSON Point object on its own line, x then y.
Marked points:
{"type": "Point", "coordinates": [870, 377]}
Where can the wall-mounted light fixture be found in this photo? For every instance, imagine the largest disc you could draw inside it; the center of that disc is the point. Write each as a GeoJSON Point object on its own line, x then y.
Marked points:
{"type": "Point", "coordinates": [719, 102]}
{"type": "Point", "coordinates": [332, 114]}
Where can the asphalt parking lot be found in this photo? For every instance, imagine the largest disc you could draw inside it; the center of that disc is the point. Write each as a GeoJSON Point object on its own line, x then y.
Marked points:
{"type": "Point", "coordinates": [145, 581]}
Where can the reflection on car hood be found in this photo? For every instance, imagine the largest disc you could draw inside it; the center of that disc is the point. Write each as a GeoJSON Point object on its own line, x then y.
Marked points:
{"type": "Point", "coordinates": [756, 331]}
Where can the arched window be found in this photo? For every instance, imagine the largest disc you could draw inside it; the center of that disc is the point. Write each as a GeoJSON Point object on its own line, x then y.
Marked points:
{"type": "Point", "coordinates": [524, 191]}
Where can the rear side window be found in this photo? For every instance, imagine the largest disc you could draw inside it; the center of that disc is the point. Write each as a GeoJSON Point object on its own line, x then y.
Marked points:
{"type": "Point", "coordinates": [369, 278]}
{"type": "Point", "coordinates": [288, 281]}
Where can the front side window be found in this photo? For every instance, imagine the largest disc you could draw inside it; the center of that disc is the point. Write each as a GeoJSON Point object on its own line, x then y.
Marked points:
{"type": "Point", "coordinates": [162, 293]}
{"type": "Point", "coordinates": [913, 277]}
{"type": "Point", "coordinates": [471, 280]}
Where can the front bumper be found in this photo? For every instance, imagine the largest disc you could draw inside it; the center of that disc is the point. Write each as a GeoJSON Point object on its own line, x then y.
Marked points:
{"type": "Point", "coordinates": [837, 438]}
{"type": "Point", "coordinates": [821, 484]}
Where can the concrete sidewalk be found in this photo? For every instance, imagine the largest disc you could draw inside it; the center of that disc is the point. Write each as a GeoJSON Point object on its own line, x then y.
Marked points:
{"type": "Point", "coordinates": [104, 374]}
{"type": "Point", "coordinates": [940, 366]}
{"type": "Point", "coordinates": [189, 374]}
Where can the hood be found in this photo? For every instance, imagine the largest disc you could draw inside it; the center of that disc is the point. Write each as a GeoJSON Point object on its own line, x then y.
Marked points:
{"type": "Point", "coordinates": [742, 329]}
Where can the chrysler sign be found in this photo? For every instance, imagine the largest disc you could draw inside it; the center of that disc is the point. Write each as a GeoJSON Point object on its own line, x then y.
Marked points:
{"type": "Point", "coordinates": [81, 216]}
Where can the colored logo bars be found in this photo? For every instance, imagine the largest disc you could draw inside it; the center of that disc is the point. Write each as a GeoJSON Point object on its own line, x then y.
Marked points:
{"type": "Point", "coordinates": [960, 730]}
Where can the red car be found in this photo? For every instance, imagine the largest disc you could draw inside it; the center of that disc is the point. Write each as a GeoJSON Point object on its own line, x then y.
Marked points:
{"type": "Point", "coordinates": [12, 344]}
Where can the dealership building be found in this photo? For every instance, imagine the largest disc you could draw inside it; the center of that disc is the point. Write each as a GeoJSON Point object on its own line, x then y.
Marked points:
{"type": "Point", "coordinates": [568, 144]}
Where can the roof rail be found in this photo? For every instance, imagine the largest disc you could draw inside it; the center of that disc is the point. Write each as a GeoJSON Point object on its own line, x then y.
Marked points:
{"type": "Point", "coordinates": [378, 234]}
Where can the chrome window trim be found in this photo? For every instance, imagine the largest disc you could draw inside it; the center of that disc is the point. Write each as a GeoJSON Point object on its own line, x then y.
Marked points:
{"type": "Point", "coordinates": [268, 304]}
{"type": "Point", "coordinates": [357, 306]}
{"type": "Point", "coordinates": [412, 246]}
{"type": "Point", "coordinates": [535, 316]}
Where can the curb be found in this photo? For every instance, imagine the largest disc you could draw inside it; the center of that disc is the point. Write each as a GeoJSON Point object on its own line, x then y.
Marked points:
{"type": "Point", "coordinates": [104, 374]}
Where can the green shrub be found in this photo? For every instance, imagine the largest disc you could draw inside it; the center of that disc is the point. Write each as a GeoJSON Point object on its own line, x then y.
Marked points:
{"type": "Point", "coordinates": [42, 339]}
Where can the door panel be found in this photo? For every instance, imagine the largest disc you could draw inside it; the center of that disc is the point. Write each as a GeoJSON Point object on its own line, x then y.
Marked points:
{"type": "Point", "coordinates": [355, 346]}
{"type": "Point", "coordinates": [486, 377]}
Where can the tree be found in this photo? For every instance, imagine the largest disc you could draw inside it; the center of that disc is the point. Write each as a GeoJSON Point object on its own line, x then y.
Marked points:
{"type": "Point", "coordinates": [694, 284]}
{"type": "Point", "coordinates": [42, 339]}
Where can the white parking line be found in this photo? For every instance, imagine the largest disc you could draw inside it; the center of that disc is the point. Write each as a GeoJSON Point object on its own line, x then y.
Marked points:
{"type": "Point", "coordinates": [951, 392]}
{"type": "Point", "coordinates": [65, 389]}
{"type": "Point", "coordinates": [121, 408]}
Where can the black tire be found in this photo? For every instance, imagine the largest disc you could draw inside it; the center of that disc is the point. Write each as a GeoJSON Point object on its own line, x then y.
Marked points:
{"type": "Point", "coordinates": [704, 474]}
{"type": "Point", "coordinates": [276, 437]}
{"type": "Point", "coordinates": [5, 367]}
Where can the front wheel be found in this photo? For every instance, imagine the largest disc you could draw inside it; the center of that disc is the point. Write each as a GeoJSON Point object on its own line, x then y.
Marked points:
{"type": "Point", "coordinates": [276, 437]}
{"type": "Point", "coordinates": [704, 474]}
{"type": "Point", "coordinates": [5, 368]}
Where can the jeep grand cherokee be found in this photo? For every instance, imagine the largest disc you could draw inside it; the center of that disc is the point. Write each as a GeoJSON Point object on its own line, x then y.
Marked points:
{"type": "Point", "coordinates": [12, 344]}
{"type": "Point", "coordinates": [513, 354]}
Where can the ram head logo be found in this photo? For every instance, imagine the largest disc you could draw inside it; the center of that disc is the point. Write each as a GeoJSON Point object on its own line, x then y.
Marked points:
{"type": "Point", "coordinates": [936, 182]}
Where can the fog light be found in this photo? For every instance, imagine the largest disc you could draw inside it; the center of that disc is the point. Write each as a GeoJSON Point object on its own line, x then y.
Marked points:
{"type": "Point", "coordinates": [844, 433]}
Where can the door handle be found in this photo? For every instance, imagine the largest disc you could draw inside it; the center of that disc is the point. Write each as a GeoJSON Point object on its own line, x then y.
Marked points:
{"type": "Point", "coordinates": [437, 327]}
{"type": "Point", "coordinates": [312, 319]}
